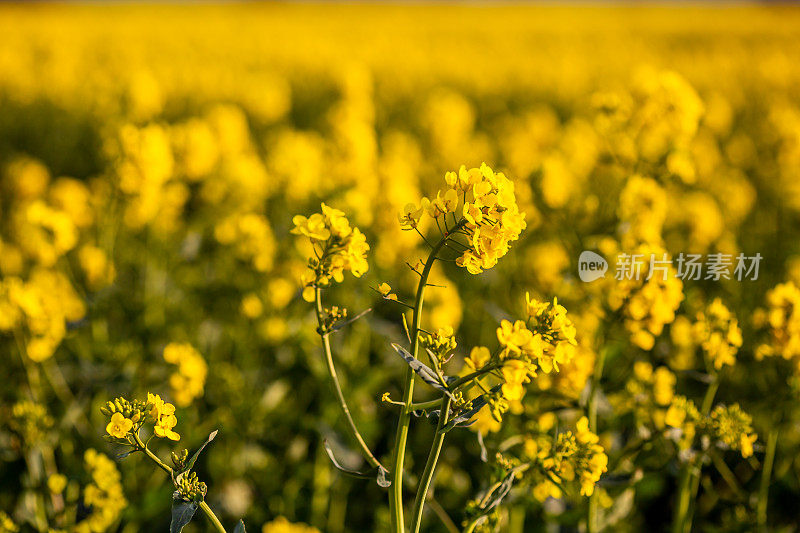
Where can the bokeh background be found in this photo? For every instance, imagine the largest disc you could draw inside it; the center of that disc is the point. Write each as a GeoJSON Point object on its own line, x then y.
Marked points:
{"type": "Point", "coordinates": [152, 158]}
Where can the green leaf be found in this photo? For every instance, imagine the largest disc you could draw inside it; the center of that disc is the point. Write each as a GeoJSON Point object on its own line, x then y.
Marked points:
{"type": "Point", "coordinates": [464, 419]}
{"type": "Point", "coordinates": [239, 527]}
{"type": "Point", "coordinates": [422, 370]}
{"type": "Point", "coordinates": [349, 471]}
{"type": "Point", "coordinates": [381, 474]}
{"type": "Point", "coordinates": [484, 451]}
{"type": "Point", "coordinates": [182, 513]}
{"type": "Point", "coordinates": [193, 458]}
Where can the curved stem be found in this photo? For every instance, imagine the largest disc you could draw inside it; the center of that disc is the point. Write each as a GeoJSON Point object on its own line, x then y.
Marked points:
{"type": "Point", "coordinates": [326, 348]}
{"type": "Point", "coordinates": [396, 496]}
{"type": "Point", "coordinates": [430, 467]}
{"type": "Point", "coordinates": [153, 457]}
{"type": "Point", "coordinates": [211, 516]}
{"type": "Point", "coordinates": [447, 522]}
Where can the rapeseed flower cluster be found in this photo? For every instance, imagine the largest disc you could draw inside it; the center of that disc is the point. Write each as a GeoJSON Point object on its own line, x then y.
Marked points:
{"type": "Point", "coordinates": [190, 488]}
{"type": "Point", "coordinates": [647, 300]}
{"type": "Point", "coordinates": [32, 421]}
{"type": "Point", "coordinates": [40, 308]}
{"type": "Point", "coordinates": [188, 380]}
{"type": "Point", "coordinates": [557, 463]}
{"type": "Point", "coordinates": [126, 418]}
{"type": "Point", "coordinates": [146, 186]}
{"type": "Point", "coordinates": [482, 206]}
{"type": "Point", "coordinates": [574, 456]}
{"type": "Point", "coordinates": [684, 416]}
{"type": "Point", "coordinates": [717, 332]}
{"type": "Point", "coordinates": [782, 320]}
{"type": "Point", "coordinates": [544, 341]}
{"type": "Point", "coordinates": [642, 211]}
{"type": "Point", "coordinates": [337, 247]}
{"type": "Point", "coordinates": [250, 236]}
{"type": "Point", "coordinates": [733, 427]}
{"type": "Point", "coordinates": [541, 343]}
{"type": "Point", "coordinates": [163, 415]}
{"type": "Point", "coordinates": [103, 495]}
{"type": "Point", "coordinates": [726, 426]}
{"type": "Point", "coordinates": [440, 343]}
{"type": "Point", "coordinates": [648, 393]}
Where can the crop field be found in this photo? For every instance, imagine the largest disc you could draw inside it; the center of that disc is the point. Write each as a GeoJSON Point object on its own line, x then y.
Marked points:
{"type": "Point", "coordinates": [438, 267]}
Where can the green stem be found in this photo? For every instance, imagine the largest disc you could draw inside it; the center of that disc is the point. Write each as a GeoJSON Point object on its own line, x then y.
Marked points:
{"type": "Point", "coordinates": [726, 473]}
{"type": "Point", "coordinates": [766, 473]}
{"type": "Point", "coordinates": [592, 525]}
{"type": "Point", "coordinates": [689, 487]}
{"type": "Point", "coordinates": [326, 348]}
{"type": "Point", "coordinates": [682, 507]}
{"type": "Point", "coordinates": [432, 404]}
{"type": "Point", "coordinates": [404, 420]}
{"type": "Point", "coordinates": [478, 373]}
{"type": "Point", "coordinates": [211, 516]}
{"type": "Point", "coordinates": [447, 522]}
{"type": "Point", "coordinates": [203, 505]}
{"type": "Point", "coordinates": [516, 519]}
{"type": "Point", "coordinates": [705, 409]}
{"type": "Point", "coordinates": [430, 467]}
{"type": "Point", "coordinates": [153, 457]}
{"type": "Point", "coordinates": [708, 399]}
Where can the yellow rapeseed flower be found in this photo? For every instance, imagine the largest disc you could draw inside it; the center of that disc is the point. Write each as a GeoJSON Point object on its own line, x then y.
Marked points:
{"type": "Point", "coordinates": [119, 426]}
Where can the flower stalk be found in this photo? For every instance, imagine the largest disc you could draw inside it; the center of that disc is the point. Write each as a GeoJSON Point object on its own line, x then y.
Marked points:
{"type": "Point", "coordinates": [326, 348]}
{"type": "Point", "coordinates": [766, 473]}
{"type": "Point", "coordinates": [592, 522]}
{"type": "Point", "coordinates": [404, 420]}
{"type": "Point", "coordinates": [430, 467]}
{"type": "Point", "coordinates": [689, 483]}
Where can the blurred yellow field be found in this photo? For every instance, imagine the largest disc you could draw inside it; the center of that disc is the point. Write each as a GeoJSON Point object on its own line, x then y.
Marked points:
{"type": "Point", "coordinates": [231, 218]}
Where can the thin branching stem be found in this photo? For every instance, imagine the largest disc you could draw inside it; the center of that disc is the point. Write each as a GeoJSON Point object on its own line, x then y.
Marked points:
{"type": "Point", "coordinates": [430, 466]}
{"type": "Point", "coordinates": [474, 375]}
{"type": "Point", "coordinates": [423, 237]}
{"type": "Point", "coordinates": [447, 522]}
{"type": "Point", "coordinates": [326, 348]}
